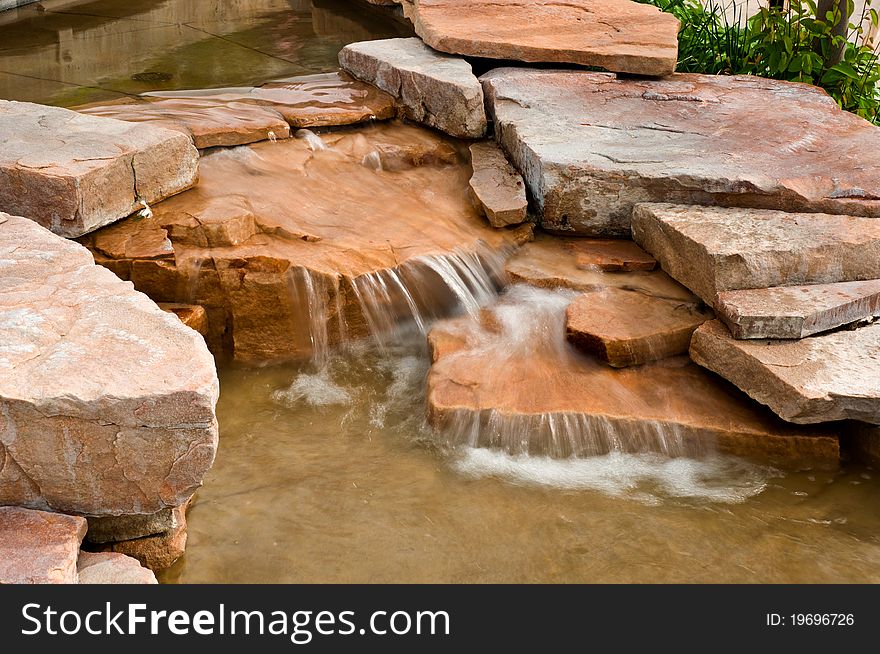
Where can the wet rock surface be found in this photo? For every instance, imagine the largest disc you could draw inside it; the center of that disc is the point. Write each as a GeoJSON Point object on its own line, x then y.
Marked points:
{"type": "Point", "coordinates": [591, 145]}
{"type": "Point", "coordinates": [73, 173]}
{"type": "Point", "coordinates": [821, 378]}
{"type": "Point", "coordinates": [611, 255]}
{"type": "Point", "coordinates": [37, 547]}
{"type": "Point", "coordinates": [107, 402]}
{"type": "Point", "coordinates": [435, 89]}
{"type": "Point", "coordinates": [617, 35]}
{"type": "Point", "coordinates": [626, 328]}
{"type": "Point", "coordinates": [797, 311]}
{"type": "Point", "coordinates": [193, 316]}
{"type": "Point", "coordinates": [519, 387]}
{"type": "Point", "coordinates": [268, 232]}
{"type": "Point", "coordinates": [715, 249]}
{"type": "Point", "coordinates": [496, 186]}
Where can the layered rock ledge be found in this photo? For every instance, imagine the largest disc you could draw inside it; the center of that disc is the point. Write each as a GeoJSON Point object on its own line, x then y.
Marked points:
{"type": "Point", "coordinates": [106, 401]}
{"type": "Point", "coordinates": [591, 145]}
{"type": "Point", "coordinates": [74, 173]}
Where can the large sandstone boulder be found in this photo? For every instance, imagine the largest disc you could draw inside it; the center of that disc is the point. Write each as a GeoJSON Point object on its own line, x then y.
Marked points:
{"type": "Point", "coordinates": [512, 383]}
{"type": "Point", "coordinates": [106, 401]}
{"type": "Point", "coordinates": [37, 547]}
{"type": "Point", "coordinates": [618, 35]}
{"type": "Point", "coordinates": [74, 173]}
{"type": "Point", "coordinates": [714, 249]}
{"type": "Point", "coordinates": [797, 311]}
{"type": "Point", "coordinates": [592, 145]}
{"type": "Point", "coordinates": [294, 246]}
{"type": "Point", "coordinates": [832, 376]}
{"type": "Point", "coordinates": [435, 89]}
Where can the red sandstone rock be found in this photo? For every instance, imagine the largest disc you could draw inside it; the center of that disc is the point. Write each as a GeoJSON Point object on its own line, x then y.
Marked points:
{"type": "Point", "coordinates": [37, 547]}
{"type": "Point", "coordinates": [112, 568]}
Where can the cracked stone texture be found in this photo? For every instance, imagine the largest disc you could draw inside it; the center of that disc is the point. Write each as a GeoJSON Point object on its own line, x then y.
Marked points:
{"type": "Point", "coordinates": [553, 262]}
{"type": "Point", "coordinates": [496, 186]}
{"type": "Point", "coordinates": [626, 328]}
{"type": "Point", "coordinates": [106, 401]}
{"type": "Point", "coordinates": [323, 100]}
{"type": "Point", "coordinates": [797, 311]}
{"type": "Point", "coordinates": [208, 123]}
{"type": "Point", "coordinates": [267, 223]}
{"type": "Point", "coordinates": [74, 173]}
{"type": "Point", "coordinates": [434, 88]}
{"type": "Point", "coordinates": [110, 529]}
{"type": "Point", "coordinates": [591, 145]}
{"type": "Point", "coordinates": [833, 376]}
{"type": "Point", "coordinates": [37, 547]}
{"type": "Point", "coordinates": [112, 568]}
{"type": "Point", "coordinates": [505, 384]}
{"type": "Point", "coordinates": [618, 35]}
{"type": "Point", "coordinates": [714, 249]}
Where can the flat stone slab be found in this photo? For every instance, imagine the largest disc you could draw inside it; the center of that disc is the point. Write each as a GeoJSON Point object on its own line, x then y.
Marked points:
{"type": "Point", "coordinates": [158, 551]}
{"type": "Point", "coordinates": [112, 568]}
{"type": "Point", "coordinates": [797, 311]}
{"type": "Point", "coordinates": [591, 145]}
{"type": "Point", "coordinates": [617, 35]}
{"type": "Point", "coordinates": [37, 547]}
{"type": "Point", "coordinates": [514, 384]}
{"type": "Point", "coordinates": [323, 100]}
{"type": "Point", "coordinates": [553, 262]}
{"type": "Point", "coordinates": [106, 401]}
{"type": "Point", "coordinates": [832, 376]}
{"type": "Point", "coordinates": [611, 255]}
{"type": "Point", "coordinates": [74, 173]}
{"type": "Point", "coordinates": [207, 122]}
{"type": "Point", "coordinates": [626, 328]}
{"type": "Point", "coordinates": [496, 186]}
{"type": "Point", "coordinates": [193, 316]}
{"type": "Point", "coordinates": [713, 249]}
{"type": "Point", "coordinates": [434, 88]}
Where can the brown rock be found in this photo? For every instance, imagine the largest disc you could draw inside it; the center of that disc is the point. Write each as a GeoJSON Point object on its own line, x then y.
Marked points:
{"type": "Point", "coordinates": [106, 402]}
{"type": "Point", "coordinates": [523, 390]}
{"type": "Point", "coordinates": [552, 262]}
{"type": "Point", "coordinates": [191, 315]}
{"type": "Point", "coordinates": [617, 35]}
{"type": "Point", "coordinates": [434, 89]}
{"type": "Point", "coordinates": [591, 145]}
{"type": "Point", "coordinates": [325, 100]}
{"type": "Point", "coordinates": [207, 122]}
{"type": "Point", "coordinates": [624, 328]}
{"type": "Point", "coordinates": [713, 249]}
{"type": "Point", "coordinates": [611, 255]}
{"type": "Point", "coordinates": [865, 442]}
{"type": "Point", "coordinates": [497, 188]}
{"type": "Point", "coordinates": [38, 547]}
{"type": "Point", "coordinates": [112, 568]}
{"type": "Point", "coordinates": [113, 528]}
{"type": "Point", "coordinates": [286, 264]}
{"type": "Point", "coordinates": [74, 173]}
{"type": "Point", "coordinates": [156, 552]}
{"type": "Point", "coordinates": [832, 376]}
{"type": "Point", "coordinates": [797, 311]}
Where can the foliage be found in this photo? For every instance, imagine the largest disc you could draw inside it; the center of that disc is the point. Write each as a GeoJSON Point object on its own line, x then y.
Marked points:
{"type": "Point", "coordinates": [786, 43]}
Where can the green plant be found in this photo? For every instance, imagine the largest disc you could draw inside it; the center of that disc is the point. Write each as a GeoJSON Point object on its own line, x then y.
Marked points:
{"type": "Point", "coordinates": [789, 42]}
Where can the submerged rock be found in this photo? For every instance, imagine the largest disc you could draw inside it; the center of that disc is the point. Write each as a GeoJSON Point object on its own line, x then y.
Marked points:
{"type": "Point", "coordinates": [797, 311]}
{"type": "Point", "coordinates": [521, 388]}
{"type": "Point", "coordinates": [73, 173]}
{"type": "Point", "coordinates": [294, 246]}
{"type": "Point", "coordinates": [592, 145]}
{"type": "Point", "coordinates": [618, 35]}
{"type": "Point", "coordinates": [106, 402]}
{"type": "Point", "coordinates": [716, 249]}
{"type": "Point", "coordinates": [497, 187]}
{"type": "Point", "coordinates": [112, 568]}
{"type": "Point", "coordinates": [435, 89]}
{"type": "Point", "coordinates": [552, 262]}
{"type": "Point", "coordinates": [832, 376]}
{"type": "Point", "coordinates": [626, 328]}
{"type": "Point", "coordinates": [37, 547]}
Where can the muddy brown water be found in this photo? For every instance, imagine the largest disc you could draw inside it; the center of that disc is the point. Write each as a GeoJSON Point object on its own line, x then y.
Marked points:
{"type": "Point", "coordinates": [331, 475]}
